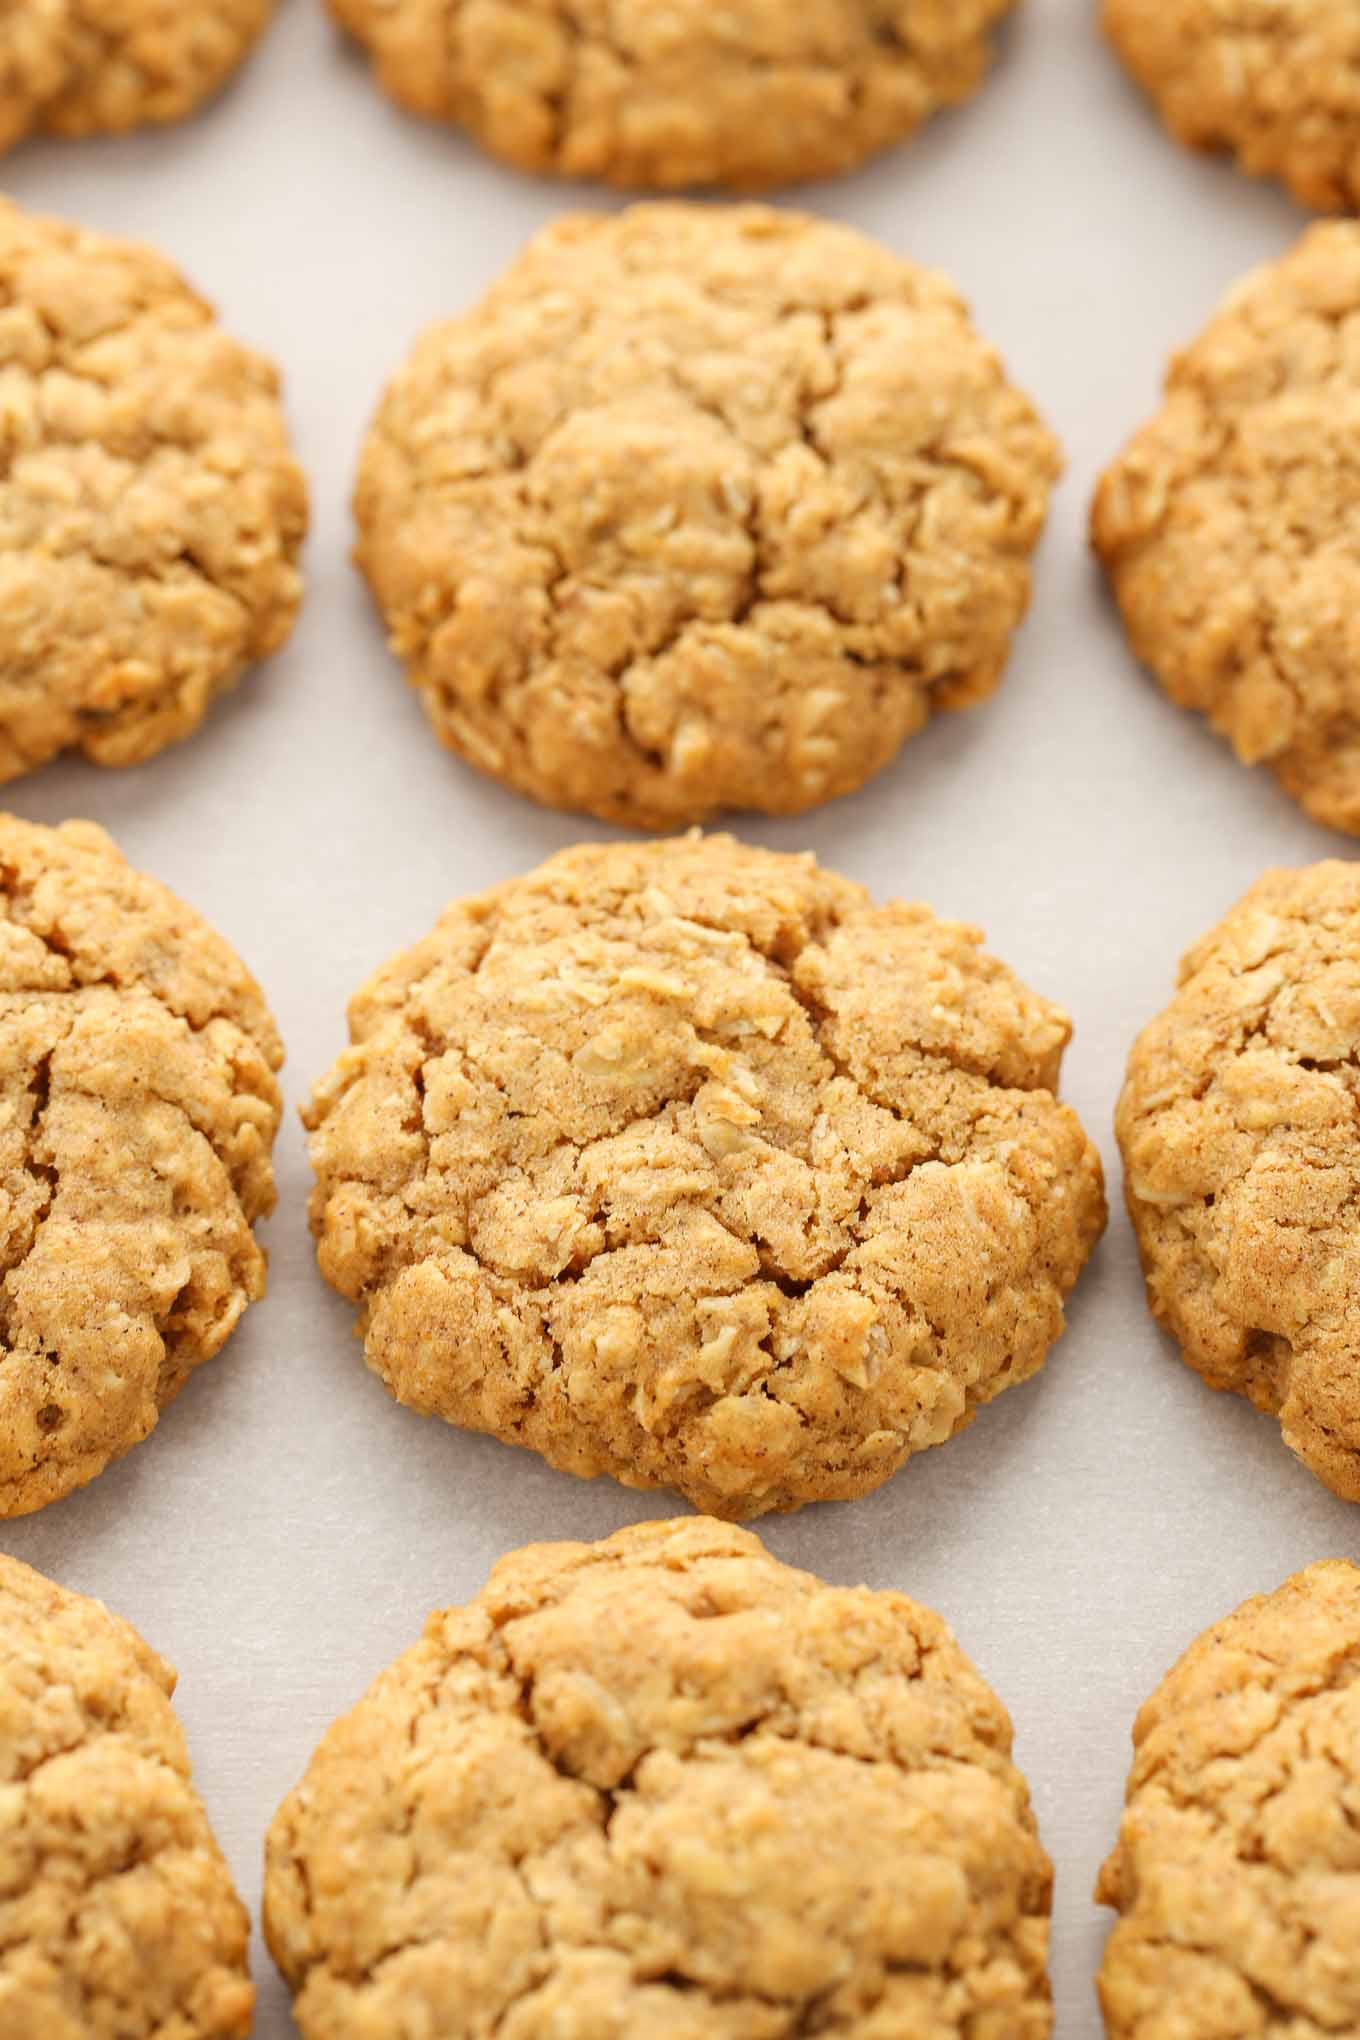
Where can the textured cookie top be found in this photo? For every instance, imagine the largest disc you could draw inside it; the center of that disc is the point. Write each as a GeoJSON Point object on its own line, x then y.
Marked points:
{"type": "Point", "coordinates": [1229, 531]}
{"type": "Point", "coordinates": [118, 1918]}
{"type": "Point", "coordinates": [686, 1163]}
{"type": "Point", "coordinates": [665, 1785]}
{"type": "Point", "coordinates": [1238, 1865]}
{"type": "Point", "coordinates": [750, 94]}
{"type": "Point", "coordinates": [701, 508]}
{"type": "Point", "coordinates": [151, 513]}
{"type": "Point", "coordinates": [1240, 1129]}
{"type": "Point", "coordinates": [139, 1109]}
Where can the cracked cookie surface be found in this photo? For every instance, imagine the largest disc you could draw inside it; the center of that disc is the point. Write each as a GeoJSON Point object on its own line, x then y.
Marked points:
{"type": "Point", "coordinates": [1228, 525]}
{"type": "Point", "coordinates": [1240, 1130]}
{"type": "Point", "coordinates": [1237, 1872]}
{"type": "Point", "coordinates": [118, 1917]}
{"type": "Point", "coordinates": [137, 1062]}
{"type": "Point", "coordinates": [151, 511]}
{"type": "Point", "coordinates": [748, 95]}
{"type": "Point", "coordinates": [684, 1162]}
{"type": "Point", "coordinates": [701, 508]}
{"type": "Point", "coordinates": [666, 1785]}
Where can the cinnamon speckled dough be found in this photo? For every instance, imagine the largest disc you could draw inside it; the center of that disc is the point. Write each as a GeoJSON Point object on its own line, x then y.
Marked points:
{"type": "Point", "coordinates": [118, 1918]}
{"type": "Point", "coordinates": [1238, 1867]}
{"type": "Point", "coordinates": [151, 511]}
{"type": "Point", "coordinates": [684, 1162]}
{"type": "Point", "coordinates": [663, 1785]}
{"type": "Point", "coordinates": [1240, 1127]}
{"type": "Point", "coordinates": [747, 95]}
{"type": "Point", "coordinates": [701, 508]}
{"type": "Point", "coordinates": [138, 1109]}
{"type": "Point", "coordinates": [1275, 81]}
{"type": "Point", "coordinates": [1229, 530]}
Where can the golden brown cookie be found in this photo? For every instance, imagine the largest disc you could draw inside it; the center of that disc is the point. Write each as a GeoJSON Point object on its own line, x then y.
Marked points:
{"type": "Point", "coordinates": [1229, 531]}
{"type": "Point", "coordinates": [81, 67]}
{"type": "Point", "coordinates": [684, 1162]}
{"type": "Point", "coordinates": [1277, 82]}
{"type": "Point", "coordinates": [700, 509]}
{"type": "Point", "coordinates": [1237, 1872]}
{"type": "Point", "coordinates": [666, 1786]}
{"type": "Point", "coordinates": [748, 95]}
{"type": "Point", "coordinates": [137, 1062]}
{"type": "Point", "coordinates": [1240, 1129]}
{"type": "Point", "coordinates": [118, 1917]}
{"type": "Point", "coordinates": [151, 511]}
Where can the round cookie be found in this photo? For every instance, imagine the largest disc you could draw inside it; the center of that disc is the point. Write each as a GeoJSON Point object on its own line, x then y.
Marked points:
{"type": "Point", "coordinates": [685, 1163]}
{"type": "Point", "coordinates": [137, 1062]}
{"type": "Point", "coordinates": [1237, 1872]}
{"type": "Point", "coordinates": [1228, 525]}
{"type": "Point", "coordinates": [700, 509]}
{"type": "Point", "coordinates": [82, 67]}
{"type": "Point", "coordinates": [118, 1917]}
{"type": "Point", "coordinates": [1240, 1130]}
{"type": "Point", "coordinates": [1277, 82]}
{"type": "Point", "coordinates": [664, 1785]}
{"type": "Point", "coordinates": [151, 511]}
{"type": "Point", "coordinates": [748, 95]}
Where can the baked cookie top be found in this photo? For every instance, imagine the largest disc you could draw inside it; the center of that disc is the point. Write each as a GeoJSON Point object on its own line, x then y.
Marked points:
{"type": "Point", "coordinates": [137, 1062]}
{"type": "Point", "coordinates": [1241, 1141]}
{"type": "Point", "coordinates": [747, 95]}
{"type": "Point", "coordinates": [684, 1162]}
{"type": "Point", "coordinates": [701, 508]}
{"type": "Point", "coordinates": [118, 1917]}
{"type": "Point", "coordinates": [665, 1785]}
{"type": "Point", "coordinates": [1228, 524]}
{"type": "Point", "coordinates": [1275, 81]}
{"type": "Point", "coordinates": [151, 511]}
{"type": "Point", "coordinates": [1237, 1871]}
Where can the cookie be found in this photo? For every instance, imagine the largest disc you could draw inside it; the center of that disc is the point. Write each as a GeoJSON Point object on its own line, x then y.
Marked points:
{"type": "Point", "coordinates": [118, 1917]}
{"type": "Point", "coordinates": [1237, 1872]}
{"type": "Point", "coordinates": [1240, 1129]}
{"type": "Point", "coordinates": [701, 509]}
{"type": "Point", "coordinates": [151, 512]}
{"type": "Point", "coordinates": [137, 1062]}
{"type": "Point", "coordinates": [83, 67]}
{"type": "Point", "coordinates": [664, 1785]}
{"type": "Point", "coordinates": [750, 95]}
{"type": "Point", "coordinates": [685, 1163]}
{"type": "Point", "coordinates": [1276, 82]}
{"type": "Point", "coordinates": [1228, 526]}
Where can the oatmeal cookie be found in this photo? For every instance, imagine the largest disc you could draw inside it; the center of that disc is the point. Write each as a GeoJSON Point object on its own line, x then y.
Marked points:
{"type": "Point", "coordinates": [137, 1062]}
{"type": "Point", "coordinates": [684, 1162]}
{"type": "Point", "coordinates": [1237, 1873]}
{"type": "Point", "coordinates": [151, 512]}
{"type": "Point", "coordinates": [664, 1785]}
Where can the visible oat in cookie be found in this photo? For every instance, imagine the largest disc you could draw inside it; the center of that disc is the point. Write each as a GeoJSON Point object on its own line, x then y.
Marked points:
{"type": "Point", "coordinates": [137, 1062]}
{"type": "Point", "coordinates": [701, 509]}
{"type": "Point", "coordinates": [1238, 1867]}
{"type": "Point", "coordinates": [151, 511]}
{"type": "Point", "coordinates": [1240, 1128]}
{"type": "Point", "coordinates": [684, 1162]}
{"type": "Point", "coordinates": [118, 1918]}
{"type": "Point", "coordinates": [665, 1786]}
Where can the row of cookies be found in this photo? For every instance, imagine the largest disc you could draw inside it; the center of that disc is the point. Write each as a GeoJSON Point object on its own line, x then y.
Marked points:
{"type": "Point", "coordinates": [680, 1161]}
{"type": "Point", "coordinates": [664, 1784]}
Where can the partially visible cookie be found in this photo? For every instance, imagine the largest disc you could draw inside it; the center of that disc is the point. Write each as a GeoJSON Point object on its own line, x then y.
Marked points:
{"type": "Point", "coordinates": [118, 1917]}
{"type": "Point", "coordinates": [1237, 1872]}
{"type": "Point", "coordinates": [748, 95]}
{"type": "Point", "coordinates": [151, 510]}
{"type": "Point", "coordinates": [138, 1108]}
{"type": "Point", "coordinates": [1240, 1129]}
{"type": "Point", "coordinates": [666, 1786]}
